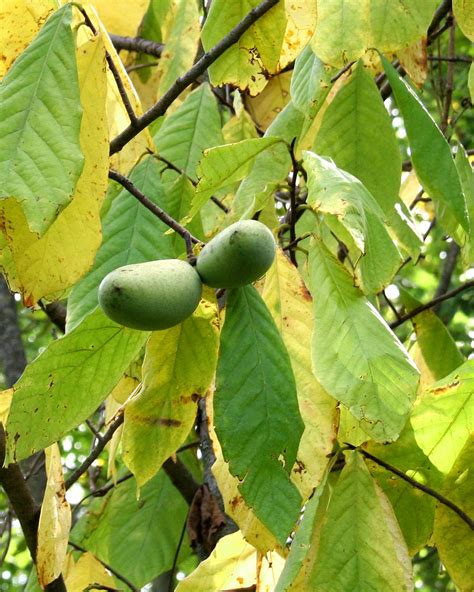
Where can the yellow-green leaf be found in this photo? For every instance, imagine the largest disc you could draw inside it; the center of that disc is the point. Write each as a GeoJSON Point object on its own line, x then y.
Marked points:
{"type": "Point", "coordinates": [48, 265]}
{"type": "Point", "coordinates": [350, 555]}
{"type": "Point", "coordinates": [290, 304]}
{"type": "Point", "coordinates": [257, 51]}
{"type": "Point", "coordinates": [452, 536]}
{"type": "Point", "coordinates": [179, 366]}
{"type": "Point", "coordinates": [78, 576]}
{"type": "Point", "coordinates": [464, 14]}
{"type": "Point", "coordinates": [346, 29]}
{"type": "Point", "coordinates": [444, 417]}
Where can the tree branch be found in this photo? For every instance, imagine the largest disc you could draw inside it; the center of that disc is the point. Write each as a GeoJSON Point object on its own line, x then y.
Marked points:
{"type": "Point", "coordinates": [190, 76]}
{"type": "Point", "coordinates": [443, 500]}
{"type": "Point", "coordinates": [431, 304]}
{"type": "Point", "coordinates": [137, 44]}
{"type": "Point", "coordinates": [447, 272]}
{"type": "Point", "coordinates": [150, 205]}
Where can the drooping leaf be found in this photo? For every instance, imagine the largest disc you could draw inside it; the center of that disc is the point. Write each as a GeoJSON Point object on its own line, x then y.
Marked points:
{"type": "Point", "coordinates": [67, 383]}
{"type": "Point", "coordinates": [40, 155]}
{"type": "Point", "coordinates": [131, 234]}
{"type": "Point", "coordinates": [464, 17]}
{"type": "Point", "coordinates": [120, 528]}
{"type": "Point", "coordinates": [290, 305]}
{"type": "Point", "coordinates": [414, 509]}
{"type": "Point", "coordinates": [84, 572]}
{"type": "Point", "coordinates": [271, 101]}
{"type": "Point", "coordinates": [179, 366]}
{"type": "Point", "coordinates": [21, 21]}
{"type": "Point", "coordinates": [234, 565]}
{"type": "Point", "coordinates": [452, 536]}
{"type": "Point", "coordinates": [346, 30]}
{"type": "Point", "coordinates": [193, 127]}
{"type": "Point", "coordinates": [333, 191]}
{"type": "Point", "coordinates": [466, 176]}
{"type": "Point", "coordinates": [356, 357]}
{"type": "Point", "coordinates": [181, 43]}
{"type": "Point", "coordinates": [257, 50]}
{"type": "Point", "coordinates": [437, 346]}
{"type": "Point", "coordinates": [223, 165]}
{"type": "Point", "coordinates": [310, 82]}
{"type": "Point", "coordinates": [443, 417]}
{"type": "Point", "coordinates": [256, 412]}
{"type": "Point", "coordinates": [350, 556]}
{"type": "Point", "coordinates": [301, 22]}
{"type": "Point", "coordinates": [357, 133]}
{"type": "Point", "coordinates": [48, 265]}
{"type": "Point", "coordinates": [54, 521]}
{"type": "Point", "coordinates": [121, 17]}
{"type": "Point", "coordinates": [430, 153]}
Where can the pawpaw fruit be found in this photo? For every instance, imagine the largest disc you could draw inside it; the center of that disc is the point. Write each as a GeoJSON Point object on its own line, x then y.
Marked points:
{"type": "Point", "coordinates": [237, 256]}
{"type": "Point", "coordinates": [151, 296]}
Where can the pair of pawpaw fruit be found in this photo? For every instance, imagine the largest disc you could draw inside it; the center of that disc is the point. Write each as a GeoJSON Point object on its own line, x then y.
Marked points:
{"type": "Point", "coordinates": [160, 294]}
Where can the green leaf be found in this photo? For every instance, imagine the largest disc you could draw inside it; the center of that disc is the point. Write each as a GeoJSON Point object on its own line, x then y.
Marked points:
{"type": "Point", "coordinates": [67, 383]}
{"type": "Point", "coordinates": [346, 30]}
{"type": "Point", "coordinates": [436, 344]}
{"type": "Point", "coordinates": [443, 417]}
{"type": "Point", "coordinates": [179, 366]}
{"type": "Point", "coordinates": [131, 234]}
{"type": "Point", "coordinates": [356, 357]}
{"type": "Point", "coordinates": [452, 536]}
{"type": "Point", "coordinates": [256, 411]}
{"type": "Point", "coordinates": [310, 82]}
{"type": "Point", "coordinates": [223, 165]}
{"type": "Point", "coordinates": [40, 155]}
{"type": "Point", "coordinates": [333, 191]}
{"type": "Point", "coordinates": [119, 529]}
{"type": "Point", "coordinates": [361, 547]}
{"type": "Point", "coordinates": [257, 51]}
{"type": "Point", "coordinates": [430, 153]}
{"type": "Point", "coordinates": [357, 133]}
{"type": "Point", "coordinates": [181, 43]}
{"type": "Point", "coordinates": [188, 131]}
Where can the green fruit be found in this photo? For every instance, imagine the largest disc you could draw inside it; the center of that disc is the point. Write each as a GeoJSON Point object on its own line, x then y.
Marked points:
{"type": "Point", "coordinates": [237, 256]}
{"type": "Point", "coordinates": [151, 296]}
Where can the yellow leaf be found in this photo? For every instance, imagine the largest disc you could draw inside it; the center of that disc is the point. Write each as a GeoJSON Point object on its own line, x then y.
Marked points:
{"type": "Point", "coordinates": [5, 402]}
{"type": "Point", "coordinates": [414, 61]}
{"type": "Point", "coordinates": [121, 17]}
{"type": "Point", "coordinates": [234, 565]}
{"type": "Point", "coordinates": [54, 522]}
{"type": "Point", "coordinates": [48, 265]}
{"type": "Point", "coordinates": [265, 107]}
{"type": "Point", "coordinates": [179, 366]}
{"type": "Point", "coordinates": [118, 118]}
{"type": "Point", "coordinates": [88, 570]}
{"type": "Point", "coordinates": [301, 21]}
{"type": "Point", "coordinates": [255, 54]}
{"type": "Point", "coordinates": [290, 305]}
{"type": "Point", "coordinates": [21, 21]}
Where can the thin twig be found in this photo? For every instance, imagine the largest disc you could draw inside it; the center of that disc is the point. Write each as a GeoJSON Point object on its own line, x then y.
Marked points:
{"type": "Point", "coordinates": [190, 76]}
{"type": "Point", "coordinates": [447, 272]}
{"type": "Point", "coordinates": [8, 528]}
{"type": "Point", "coordinates": [431, 304]}
{"type": "Point", "coordinates": [342, 71]}
{"type": "Point", "coordinates": [141, 66]}
{"type": "Point", "coordinates": [108, 567]}
{"type": "Point", "coordinates": [176, 555]}
{"type": "Point", "coordinates": [101, 443]}
{"type": "Point", "coordinates": [448, 59]}
{"type": "Point", "coordinates": [441, 498]}
{"type": "Point", "coordinates": [150, 205]}
{"type": "Point", "coordinates": [115, 73]}
{"type": "Point", "coordinates": [449, 79]}
{"type": "Point", "coordinates": [391, 305]}
{"type": "Point", "coordinates": [137, 44]}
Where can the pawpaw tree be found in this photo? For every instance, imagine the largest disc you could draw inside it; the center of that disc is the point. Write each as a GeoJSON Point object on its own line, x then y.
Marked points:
{"type": "Point", "coordinates": [292, 421]}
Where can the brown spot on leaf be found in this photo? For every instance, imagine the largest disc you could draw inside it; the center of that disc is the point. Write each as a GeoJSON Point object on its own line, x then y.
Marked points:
{"type": "Point", "coordinates": [444, 389]}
